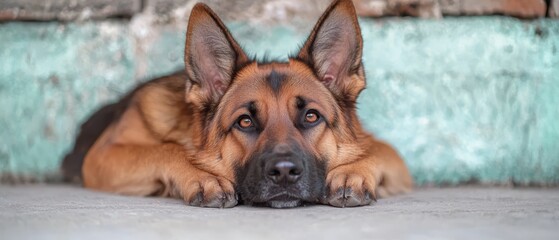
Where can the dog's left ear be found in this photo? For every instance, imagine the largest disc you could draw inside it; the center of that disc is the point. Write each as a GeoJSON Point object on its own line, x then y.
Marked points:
{"type": "Point", "coordinates": [334, 49]}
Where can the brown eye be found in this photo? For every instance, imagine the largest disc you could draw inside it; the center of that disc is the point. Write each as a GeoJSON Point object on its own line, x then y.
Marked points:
{"type": "Point", "coordinates": [245, 122]}
{"type": "Point", "coordinates": [311, 117]}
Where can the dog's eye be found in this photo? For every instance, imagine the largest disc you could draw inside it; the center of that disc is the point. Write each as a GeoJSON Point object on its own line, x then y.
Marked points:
{"type": "Point", "coordinates": [310, 119]}
{"type": "Point", "coordinates": [311, 116]}
{"type": "Point", "coordinates": [245, 122]}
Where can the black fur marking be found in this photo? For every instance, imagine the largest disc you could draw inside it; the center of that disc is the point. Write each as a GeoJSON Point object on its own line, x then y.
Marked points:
{"type": "Point", "coordinates": [207, 113]}
{"type": "Point", "coordinates": [252, 109]}
{"type": "Point", "coordinates": [89, 132]}
{"type": "Point", "coordinates": [301, 103]}
{"type": "Point", "coordinates": [275, 80]}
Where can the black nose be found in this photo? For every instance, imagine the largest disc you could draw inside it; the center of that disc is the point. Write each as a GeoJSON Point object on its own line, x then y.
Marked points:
{"type": "Point", "coordinates": [284, 172]}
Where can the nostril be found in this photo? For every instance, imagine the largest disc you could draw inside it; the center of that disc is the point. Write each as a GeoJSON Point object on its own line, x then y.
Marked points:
{"type": "Point", "coordinates": [274, 172]}
{"type": "Point", "coordinates": [295, 172]}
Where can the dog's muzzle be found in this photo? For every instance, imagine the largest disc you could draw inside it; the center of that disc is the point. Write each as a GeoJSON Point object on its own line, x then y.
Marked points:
{"type": "Point", "coordinates": [281, 178]}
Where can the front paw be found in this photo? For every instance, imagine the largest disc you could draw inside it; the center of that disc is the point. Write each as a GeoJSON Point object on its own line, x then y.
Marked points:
{"type": "Point", "coordinates": [210, 191]}
{"type": "Point", "coordinates": [346, 189]}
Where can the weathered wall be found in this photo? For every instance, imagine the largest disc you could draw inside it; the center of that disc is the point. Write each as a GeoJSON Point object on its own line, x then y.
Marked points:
{"type": "Point", "coordinates": [67, 10]}
{"type": "Point", "coordinates": [463, 99]}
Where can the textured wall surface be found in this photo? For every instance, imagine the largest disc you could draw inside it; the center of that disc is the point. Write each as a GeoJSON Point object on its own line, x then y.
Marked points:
{"type": "Point", "coordinates": [463, 99]}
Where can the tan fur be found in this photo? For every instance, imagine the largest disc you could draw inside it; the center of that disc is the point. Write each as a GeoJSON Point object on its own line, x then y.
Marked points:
{"type": "Point", "coordinates": [163, 145]}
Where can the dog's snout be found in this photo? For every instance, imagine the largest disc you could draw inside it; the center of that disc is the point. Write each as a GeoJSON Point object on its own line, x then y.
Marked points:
{"type": "Point", "coordinates": [283, 176]}
{"type": "Point", "coordinates": [284, 172]}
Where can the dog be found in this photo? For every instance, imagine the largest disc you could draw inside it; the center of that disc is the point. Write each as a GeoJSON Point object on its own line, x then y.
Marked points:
{"type": "Point", "coordinates": [231, 129]}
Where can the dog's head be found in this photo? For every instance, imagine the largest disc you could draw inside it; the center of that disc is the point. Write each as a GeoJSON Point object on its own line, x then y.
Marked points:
{"type": "Point", "coordinates": [274, 128]}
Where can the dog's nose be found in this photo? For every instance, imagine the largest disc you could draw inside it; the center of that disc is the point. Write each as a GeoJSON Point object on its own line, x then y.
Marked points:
{"type": "Point", "coordinates": [284, 172]}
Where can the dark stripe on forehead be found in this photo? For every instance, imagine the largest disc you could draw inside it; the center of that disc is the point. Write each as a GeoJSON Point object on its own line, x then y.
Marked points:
{"type": "Point", "coordinates": [301, 103]}
{"type": "Point", "coordinates": [274, 80]}
{"type": "Point", "coordinates": [252, 108]}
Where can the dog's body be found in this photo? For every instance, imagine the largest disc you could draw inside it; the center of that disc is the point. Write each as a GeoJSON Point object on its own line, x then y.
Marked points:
{"type": "Point", "coordinates": [279, 133]}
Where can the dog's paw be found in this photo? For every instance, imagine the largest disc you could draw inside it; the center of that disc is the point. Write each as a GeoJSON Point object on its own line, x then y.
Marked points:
{"type": "Point", "coordinates": [210, 191]}
{"type": "Point", "coordinates": [346, 189]}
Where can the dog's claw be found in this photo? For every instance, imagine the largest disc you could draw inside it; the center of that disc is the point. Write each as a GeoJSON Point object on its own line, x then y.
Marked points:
{"type": "Point", "coordinates": [225, 200]}
{"type": "Point", "coordinates": [346, 197]}
{"type": "Point", "coordinates": [197, 200]}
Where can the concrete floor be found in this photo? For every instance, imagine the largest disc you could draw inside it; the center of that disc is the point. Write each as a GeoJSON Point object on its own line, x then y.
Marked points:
{"type": "Point", "coordinates": [69, 212]}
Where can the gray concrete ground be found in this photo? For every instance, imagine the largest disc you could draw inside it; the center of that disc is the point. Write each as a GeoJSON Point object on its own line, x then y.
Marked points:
{"type": "Point", "coordinates": [69, 212]}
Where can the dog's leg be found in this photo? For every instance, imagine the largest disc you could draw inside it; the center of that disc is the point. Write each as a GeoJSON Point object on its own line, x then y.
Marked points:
{"type": "Point", "coordinates": [156, 170]}
{"type": "Point", "coordinates": [129, 159]}
{"type": "Point", "coordinates": [381, 173]}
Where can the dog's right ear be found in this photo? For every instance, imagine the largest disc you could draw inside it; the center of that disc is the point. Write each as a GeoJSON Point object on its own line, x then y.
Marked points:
{"type": "Point", "coordinates": [211, 56]}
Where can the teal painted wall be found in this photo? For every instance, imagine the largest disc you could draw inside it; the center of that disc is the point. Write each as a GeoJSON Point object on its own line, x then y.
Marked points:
{"type": "Point", "coordinates": [463, 99]}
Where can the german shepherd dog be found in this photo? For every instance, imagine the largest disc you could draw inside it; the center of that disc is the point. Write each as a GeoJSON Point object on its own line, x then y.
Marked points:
{"type": "Point", "coordinates": [231, 129]}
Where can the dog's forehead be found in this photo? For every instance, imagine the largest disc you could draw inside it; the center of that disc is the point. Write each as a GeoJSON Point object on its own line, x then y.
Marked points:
{"type": "Point", "coordinates": [287, 79]}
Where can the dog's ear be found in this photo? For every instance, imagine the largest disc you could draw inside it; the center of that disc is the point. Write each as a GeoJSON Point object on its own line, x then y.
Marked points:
{"type": "Point", "coordinates": [211, 56]}
{"type": "Point", "coordinates": [334, 50]}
